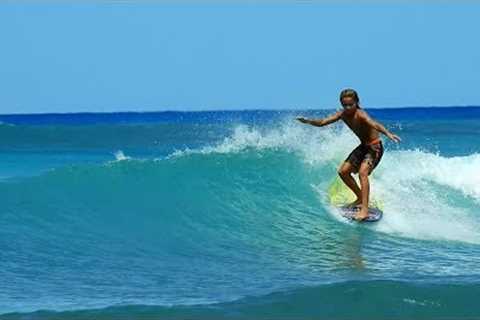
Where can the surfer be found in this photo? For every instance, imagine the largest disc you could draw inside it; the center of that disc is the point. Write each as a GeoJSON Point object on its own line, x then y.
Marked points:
{"type": "Point", "coordinates": [364, 158]}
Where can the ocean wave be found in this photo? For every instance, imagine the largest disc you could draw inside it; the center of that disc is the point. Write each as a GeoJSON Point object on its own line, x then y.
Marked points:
{"type": "Point", "coordinates": [347, 300]}
{"type": "Point", "coordinates": [443, 193]}
{"type": "Point", "coordinates": [245, 216]}
{"type": "Point", "coordinates": [284, 169]}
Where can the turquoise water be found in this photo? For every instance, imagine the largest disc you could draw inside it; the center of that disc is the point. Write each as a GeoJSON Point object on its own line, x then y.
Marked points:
{"type": "Point", "coordinates": [224, 215]}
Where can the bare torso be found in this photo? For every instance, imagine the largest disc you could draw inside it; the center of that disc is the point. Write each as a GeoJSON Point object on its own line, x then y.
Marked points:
{"type": "Point", "coordinates": [356, 122]}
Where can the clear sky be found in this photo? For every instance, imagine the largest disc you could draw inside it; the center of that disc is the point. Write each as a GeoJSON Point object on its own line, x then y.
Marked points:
{"type": "Point", "coordinates": [117, 56]}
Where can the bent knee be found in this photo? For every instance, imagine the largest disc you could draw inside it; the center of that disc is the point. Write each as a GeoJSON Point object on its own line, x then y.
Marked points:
{"type": "Point", "coordinates": [364, 172]}
{"type": "Point", "coordinates": [345, 170]}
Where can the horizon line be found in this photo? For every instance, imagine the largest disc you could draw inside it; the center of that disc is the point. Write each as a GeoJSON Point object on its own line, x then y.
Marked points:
{"type": "Point", "coordinates": [225, 110]}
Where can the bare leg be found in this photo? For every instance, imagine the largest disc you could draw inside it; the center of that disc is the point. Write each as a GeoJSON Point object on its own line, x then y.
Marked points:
{"type": "Point", "coordinates": [365, 184]}
{"type": "Point", "coordinates": [345, 173]}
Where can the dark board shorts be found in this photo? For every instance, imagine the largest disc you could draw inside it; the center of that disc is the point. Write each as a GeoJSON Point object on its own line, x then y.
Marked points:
{"type": "Point", "coordinates": [371, 153]}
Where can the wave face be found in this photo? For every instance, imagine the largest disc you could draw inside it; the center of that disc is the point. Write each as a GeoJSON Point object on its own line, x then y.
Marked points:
{"type": "Point", "coordinates": [235, 221]}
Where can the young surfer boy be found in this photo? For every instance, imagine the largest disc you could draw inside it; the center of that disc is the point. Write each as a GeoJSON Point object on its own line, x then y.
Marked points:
{"type": "Point", "coordinates": [364, 158]}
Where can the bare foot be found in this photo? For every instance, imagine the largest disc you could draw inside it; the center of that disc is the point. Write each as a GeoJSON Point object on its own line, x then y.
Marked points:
{"type": "Point", "coordinates": [354, 203]}
{"type": "Point", "coordinates": [361, 215]}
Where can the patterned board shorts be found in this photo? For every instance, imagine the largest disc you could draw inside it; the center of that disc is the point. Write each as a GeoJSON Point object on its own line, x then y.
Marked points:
{"type": "Point", "coordinates": [371, 153]}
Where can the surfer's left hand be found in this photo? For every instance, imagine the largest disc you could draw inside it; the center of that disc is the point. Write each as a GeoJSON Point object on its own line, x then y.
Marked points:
{"type": "Point", "coordinates": [394, 137]}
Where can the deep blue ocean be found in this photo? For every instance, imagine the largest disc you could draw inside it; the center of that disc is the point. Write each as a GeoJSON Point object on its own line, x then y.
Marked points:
{"type": "Point", "coordinates": [224, 215]}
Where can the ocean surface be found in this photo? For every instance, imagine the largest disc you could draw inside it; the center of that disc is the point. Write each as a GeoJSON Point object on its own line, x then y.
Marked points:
{"type": "Point", "coordinates": [224, 215]}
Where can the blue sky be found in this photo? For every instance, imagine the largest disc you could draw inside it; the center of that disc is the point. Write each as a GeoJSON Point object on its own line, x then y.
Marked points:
{"type": "Point", "coordinates": [109, 56]}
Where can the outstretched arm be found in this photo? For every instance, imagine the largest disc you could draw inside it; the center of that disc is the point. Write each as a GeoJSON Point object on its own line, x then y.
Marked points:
{"type": "Point", "coordinates": [378, 126]}
{"type": "Point", "coordinates": [322, 122]}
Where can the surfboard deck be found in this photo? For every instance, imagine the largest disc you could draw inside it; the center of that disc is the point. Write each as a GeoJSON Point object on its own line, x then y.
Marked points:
{"type": "Point", "coordinates": [374, 214]}
{"type": "Point", "coordinates": [339, 196]}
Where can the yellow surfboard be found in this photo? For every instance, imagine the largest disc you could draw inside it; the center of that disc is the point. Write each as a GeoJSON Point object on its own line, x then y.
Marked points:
{"type": "Point", "coordinates": [340, 195]}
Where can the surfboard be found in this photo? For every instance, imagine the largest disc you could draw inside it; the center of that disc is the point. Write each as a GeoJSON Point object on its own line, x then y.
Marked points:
{"type": "Point", "coordinates": [374, 214]}
{"type": "Point", "coordinates": [340, 195]}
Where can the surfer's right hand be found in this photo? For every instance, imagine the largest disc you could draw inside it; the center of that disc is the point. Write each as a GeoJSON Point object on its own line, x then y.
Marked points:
{"type": "Point", "coordinates": [302, 120]}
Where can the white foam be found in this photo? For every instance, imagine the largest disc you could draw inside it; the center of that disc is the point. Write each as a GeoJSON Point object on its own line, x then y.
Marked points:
{"type": "Point", "coordinates": [418, 189]}
{"type": "Point", "coordinates": [315, 145]}
{"type": "Point", "coordinates": [120, 156]}
{"type": "Point", "coordinates": [425, 196]}
{"type": "Point", "coordinates": [460, 173]}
